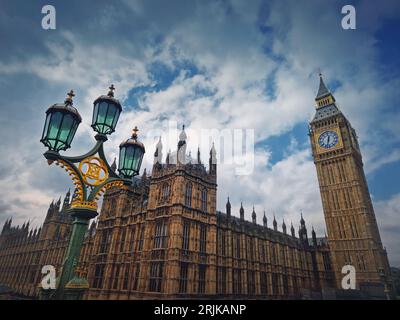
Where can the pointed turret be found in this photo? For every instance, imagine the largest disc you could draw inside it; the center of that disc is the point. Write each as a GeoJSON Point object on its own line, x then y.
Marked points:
{"type": "Point", "coordinates": [241, 211]}
{"type": "Point", "coordinates": [314, 236]}
{"type": "Point", "coordinates": [324, 96]}
{"type": "Point", "coordinates": [254, 216]}
{"type": "Point", "coordinates": [57, 205]}
{"type": "Point", "coordinates": [275, 224]}
{"type": "Point", "coordinates": [66, 200]}
{"type": "Point", "coordinates": [292, 230]}
{"type": "Point", "coordinates": [303, 230]}
{"type": "Point", "coordinates": [167, 160]}
{"type": "Point", "coordinates": [198, 156]}
{"type": "Point", "coordinates": [265, 221]}
{"type": "Point", "coordinates": [322, 90]}
{"type": "Point", "coordinates": [181, 152]}
{"type": "Point", "coordinates": [284, 226]}
{"type": "Point", "coordinates": [213, 160]}
{"type": "Point", "coordinates": [158, 152]}
{"type": "Point", "coordinates": [228, 208]}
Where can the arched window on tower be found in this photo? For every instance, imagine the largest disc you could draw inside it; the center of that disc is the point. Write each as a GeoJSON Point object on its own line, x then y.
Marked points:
{"type": "Point", "coordinates": [164, 193]}
{"type": "Point", "coordinates": [204, 200]}
{"type": "Point", "coordinates": [188, 194]}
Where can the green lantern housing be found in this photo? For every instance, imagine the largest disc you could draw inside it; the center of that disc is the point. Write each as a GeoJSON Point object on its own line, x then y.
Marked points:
{"type": "Point", "coordinates": [106, 112]}
{"type": "Point", "coordinates": [62, 121]}
{"type": "Point", "coordinates": [130, 156]}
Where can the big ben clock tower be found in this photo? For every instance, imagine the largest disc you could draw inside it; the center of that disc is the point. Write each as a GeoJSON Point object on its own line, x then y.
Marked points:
{"type": "Point", "coordinates": [353, 234]}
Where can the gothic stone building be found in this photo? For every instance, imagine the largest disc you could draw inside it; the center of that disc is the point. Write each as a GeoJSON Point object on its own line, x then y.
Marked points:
{"type": "Point", "coordinates": [164, 238]}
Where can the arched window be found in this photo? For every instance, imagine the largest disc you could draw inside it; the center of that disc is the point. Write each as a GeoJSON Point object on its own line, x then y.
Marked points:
{"type": "Point", "coordinates": [204, 200]}
{"type": "Point", "coordinates": [188, 194]}
{"type": "Point", "coordinates": [165, 190]}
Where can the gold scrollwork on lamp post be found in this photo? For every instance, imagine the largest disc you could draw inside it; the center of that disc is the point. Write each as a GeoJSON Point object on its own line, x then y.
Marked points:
{"type": "Point", "coordinates": [93, 170]}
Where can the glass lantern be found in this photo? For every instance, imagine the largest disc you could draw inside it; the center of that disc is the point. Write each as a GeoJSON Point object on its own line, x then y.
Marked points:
{"type": "Point", "coordinates": [106, 112]}
{"type": "Point", "coordinates": [130, 156]}
{"type": "Point", "coordinates": [62, 121]}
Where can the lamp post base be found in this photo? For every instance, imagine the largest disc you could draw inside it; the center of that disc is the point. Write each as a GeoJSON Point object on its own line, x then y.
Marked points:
{"type": "Point", "coordinates": [70, 286]}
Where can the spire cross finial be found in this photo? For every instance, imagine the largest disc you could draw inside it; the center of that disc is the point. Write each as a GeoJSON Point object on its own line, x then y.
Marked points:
{"type": "Point", "coordinates": [183, 127]}
{"type": "Point", "coordinates": [134, 132]}
{"type": "Point", "coordinates": [111, 92]}
{"type": "Point", "coordinates": [319, 72]}
{"type": "Point", "coordinates": [70, 95]}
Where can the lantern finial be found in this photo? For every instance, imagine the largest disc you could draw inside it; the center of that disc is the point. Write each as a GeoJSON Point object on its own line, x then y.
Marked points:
{"type": "Point", "coordinates": [111, 92]}
{"type": "Point", "coordinates": [70, 95]}
{"type": "Point", "coordinates": [134, 134]}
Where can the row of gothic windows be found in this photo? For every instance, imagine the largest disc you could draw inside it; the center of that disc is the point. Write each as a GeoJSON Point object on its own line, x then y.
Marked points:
{"type": "Point", "coordinates": [165, 192]}
{"type": "Point", "coordinates": [183, 279]}
{"type": "Point", "coordinates": [188, 197]}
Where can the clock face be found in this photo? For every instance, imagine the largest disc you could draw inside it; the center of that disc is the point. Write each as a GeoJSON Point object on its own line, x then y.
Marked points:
{"type": "Point", "coordinates": [328, 139]}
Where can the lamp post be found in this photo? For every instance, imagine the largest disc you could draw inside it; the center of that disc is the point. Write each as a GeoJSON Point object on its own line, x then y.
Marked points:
{"type": "Point", "coordinates": [90, 173]}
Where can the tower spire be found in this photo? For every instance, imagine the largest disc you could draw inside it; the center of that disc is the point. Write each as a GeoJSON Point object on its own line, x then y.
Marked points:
{"type": "Point", "coordinates": [228, 208]}
{"type": "Point", "coordinates": [254, 216]}
{"type": "Point", "coordinates": [324, 96]}
{"type": "Point", "coordinates": [158, 152]}
{"type": "Point", "coordinates": [181, 152]}
{"type": "Point", "coordinates": [322, 90]}
{"type": "Point", "coordinates": [213, 160]}
{"type": "Point", "coordinates": [198, 156]}
{"type": "Point", "coordinates": [265, 220]}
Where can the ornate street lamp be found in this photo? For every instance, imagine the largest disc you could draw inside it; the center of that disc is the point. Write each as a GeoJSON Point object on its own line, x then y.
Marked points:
{"type": "Point", "coordinates": [90, 173]}
{"type": "Point", "coordinates": [130, 156]}
{"type": "Point", "coordinates": [62, 120]}
{"type": "Point", "coordinates": [106, 113]}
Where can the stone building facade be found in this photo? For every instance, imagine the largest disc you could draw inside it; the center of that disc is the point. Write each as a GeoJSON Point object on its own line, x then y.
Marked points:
{"type": "Point", "coordinates": [163, 237]}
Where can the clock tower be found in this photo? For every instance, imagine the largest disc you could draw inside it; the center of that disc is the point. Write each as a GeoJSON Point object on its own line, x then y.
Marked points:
{"type": "Point", "coordinates": [353, 234]}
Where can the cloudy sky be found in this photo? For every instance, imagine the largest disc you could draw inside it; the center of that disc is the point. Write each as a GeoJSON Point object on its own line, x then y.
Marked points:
{"type": "Point", "coordinates": [208, 65]}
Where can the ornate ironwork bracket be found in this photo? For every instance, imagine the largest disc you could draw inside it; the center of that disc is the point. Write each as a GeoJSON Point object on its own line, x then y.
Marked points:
{"type": "Point", "coordinates": [90, 173]}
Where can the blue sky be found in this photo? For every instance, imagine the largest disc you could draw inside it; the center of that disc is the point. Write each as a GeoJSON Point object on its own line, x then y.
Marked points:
{"type": "Point", "coordinates": [207, 64]}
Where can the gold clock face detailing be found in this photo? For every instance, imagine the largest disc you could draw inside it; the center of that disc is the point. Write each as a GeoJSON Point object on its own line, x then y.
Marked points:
{"type": "Point", "coordinates": [93, 170]}
{"type": "Point", "coordinates": [328, 140]}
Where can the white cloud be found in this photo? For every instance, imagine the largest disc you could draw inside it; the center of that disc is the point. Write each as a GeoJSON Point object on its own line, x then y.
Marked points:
{"type": "Point", "coordinates": [387, 215]}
